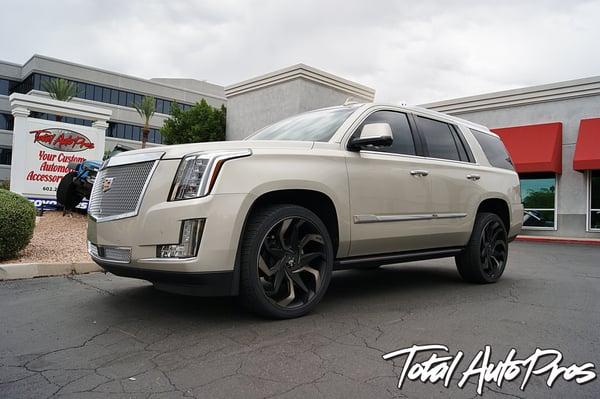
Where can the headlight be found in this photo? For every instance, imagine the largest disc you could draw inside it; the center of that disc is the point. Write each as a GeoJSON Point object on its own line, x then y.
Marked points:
{"type": "Point", "coordinates": [197, 173]}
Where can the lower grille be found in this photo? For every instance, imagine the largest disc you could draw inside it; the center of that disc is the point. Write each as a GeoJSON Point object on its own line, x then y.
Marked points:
{"type": "Point", "coordinates": [115, 254]}
{"type": "Point", "coordinates": [118, 190]}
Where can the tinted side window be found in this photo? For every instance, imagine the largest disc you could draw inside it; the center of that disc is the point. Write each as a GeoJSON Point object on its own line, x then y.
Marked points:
{"type": "Point", "coordinates": [439, 138]}
{"type": "Point", "coordinates": [403, 140]}
{"type": "Point", "coordinates": [494, 150]}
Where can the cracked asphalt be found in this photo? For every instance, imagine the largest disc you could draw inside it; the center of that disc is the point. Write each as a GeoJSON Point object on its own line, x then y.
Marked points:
{"type": "Point", "coordinates": [99, 336]}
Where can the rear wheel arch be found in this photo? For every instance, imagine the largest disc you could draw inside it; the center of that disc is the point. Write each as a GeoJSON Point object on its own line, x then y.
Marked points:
{"type": "Point", "coordinates": [497, 206]}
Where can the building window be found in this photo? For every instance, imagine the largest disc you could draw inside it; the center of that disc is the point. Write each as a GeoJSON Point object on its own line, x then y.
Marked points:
{"type": "Point", "coordinates": [129, 99]}
{"type": "Point", "coordinates": [594, 216]}
{"type": "Point", "coordinates": [5, 155]}
{"type": "Point", "coordinates": [538, 193]}
{"type": "Point", "coordinates": [6, 86]}
{"type": "Point", "coordinates": [35, 81]}
{"type": "Point", "coordinates": [80, 90]}
{"type": "Point", "coordinates": [6, 122]}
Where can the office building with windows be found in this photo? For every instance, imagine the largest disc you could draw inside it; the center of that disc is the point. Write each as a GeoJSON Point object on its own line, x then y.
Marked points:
{"type": "Point", "coordinates": [99, 87]}
{"type": "Point", "coordinates": [255, 103]}
{"type": "Point", "coordinates": [552, 133]}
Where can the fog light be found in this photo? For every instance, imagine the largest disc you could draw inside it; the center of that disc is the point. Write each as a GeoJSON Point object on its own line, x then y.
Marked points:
{"type": "Point", "coordinates": [189, 240]}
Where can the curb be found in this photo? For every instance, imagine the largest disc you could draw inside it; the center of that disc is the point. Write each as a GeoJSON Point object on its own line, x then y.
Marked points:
{"type": "Point", "coordinates": [16, 271]}
{"type": "Point", "coordinates": [560, 240]}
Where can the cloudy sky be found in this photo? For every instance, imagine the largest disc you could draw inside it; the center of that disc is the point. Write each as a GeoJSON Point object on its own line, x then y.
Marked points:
{"type": "Point", "coordinates": [414, 51]}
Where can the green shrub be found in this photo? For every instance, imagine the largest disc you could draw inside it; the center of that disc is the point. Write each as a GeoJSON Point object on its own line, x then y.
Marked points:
{"type": "Point", "coordinates": [17, 220]}
{"type": "Point", "coordinates": [5, 184]}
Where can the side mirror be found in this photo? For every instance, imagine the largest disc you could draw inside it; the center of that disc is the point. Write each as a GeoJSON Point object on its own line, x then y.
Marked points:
{"type": "Point", "coordinates": [376, 134]}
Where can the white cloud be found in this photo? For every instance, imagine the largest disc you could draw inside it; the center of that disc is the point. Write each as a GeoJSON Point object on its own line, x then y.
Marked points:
{"type": "Point", "coordinates": [418, 52]}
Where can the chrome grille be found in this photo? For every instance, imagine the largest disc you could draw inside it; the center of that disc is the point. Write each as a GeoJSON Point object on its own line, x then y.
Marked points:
{"type": "Point", "coordinates": [118, 190]}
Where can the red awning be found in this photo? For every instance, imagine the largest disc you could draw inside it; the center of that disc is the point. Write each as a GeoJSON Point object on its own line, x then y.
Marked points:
{"type": "Point", "coordinates": [587, 150]}
{"type": "Point", "coordinates": [534, 148]}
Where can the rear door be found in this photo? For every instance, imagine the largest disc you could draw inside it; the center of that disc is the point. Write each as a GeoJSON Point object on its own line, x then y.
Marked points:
{"type": "Point", "coordinates": [455, 181]}
{"type": "Point", "coordinates": [389, 201]}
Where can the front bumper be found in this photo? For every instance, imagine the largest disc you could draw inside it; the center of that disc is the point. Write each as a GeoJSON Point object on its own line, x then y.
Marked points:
{"type": "Point", "coordinates": [158, 222]}
{"type": "Point", "coordinates": [188, 283]}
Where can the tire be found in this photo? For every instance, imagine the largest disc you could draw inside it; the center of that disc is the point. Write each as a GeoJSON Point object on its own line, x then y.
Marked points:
{"type": "Point", "coordinates": [281, 245]}
{"type": "Point", "coordinates": [66, 194]}
{"type": "Point", "coordinates": [485, 257]}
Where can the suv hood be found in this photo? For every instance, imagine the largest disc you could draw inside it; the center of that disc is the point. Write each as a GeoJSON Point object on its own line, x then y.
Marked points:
{"type": "Point", "coordinates": [181, 150]}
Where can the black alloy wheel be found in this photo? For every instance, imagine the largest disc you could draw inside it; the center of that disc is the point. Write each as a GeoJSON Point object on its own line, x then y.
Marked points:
{"type": "Point", "coordinates": [290, 262]}
{"type": "Point", "coordinates": [486, 254]}
{"type": "Point", "coordinates": [493, 249]}
{"type": "Point", "coordinates": [287, 257]}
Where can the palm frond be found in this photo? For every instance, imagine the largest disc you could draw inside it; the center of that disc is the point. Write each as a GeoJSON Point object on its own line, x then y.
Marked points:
{"type": "Point", "coordinates": [146, 109]}
{"type": "Point", "coordinates": [60, 89]}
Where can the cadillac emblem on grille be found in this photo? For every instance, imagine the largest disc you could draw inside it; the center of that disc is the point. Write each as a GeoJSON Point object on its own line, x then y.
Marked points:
{"type": "Point", "coordinates": [107, 183]}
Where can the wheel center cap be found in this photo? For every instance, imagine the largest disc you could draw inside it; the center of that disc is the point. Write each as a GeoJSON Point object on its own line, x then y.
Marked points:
{"type": "Point", "coordinates": [292, 261]}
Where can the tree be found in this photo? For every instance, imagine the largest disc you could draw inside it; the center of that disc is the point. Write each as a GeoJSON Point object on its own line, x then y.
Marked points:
{"type": "Point", "coordinates": [61, 90]}
{"type": "Point", "coordinates": [145, 109]}
{"type": "Point", "coordinates": [542, 198]}
{"type": "Point", "coordinates": [198, 124]}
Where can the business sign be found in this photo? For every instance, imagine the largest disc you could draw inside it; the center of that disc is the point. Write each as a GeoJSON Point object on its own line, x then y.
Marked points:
{"type": "Point", "coordinates": [42, 149]}
{"type": "Point", "coordinates": [49, 147]}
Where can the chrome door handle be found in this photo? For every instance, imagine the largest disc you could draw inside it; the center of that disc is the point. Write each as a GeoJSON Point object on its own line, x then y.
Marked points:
{"type": "Point", "coordinates": [473, 177]}
{"type": "Point", "coordinates": [419, 172]}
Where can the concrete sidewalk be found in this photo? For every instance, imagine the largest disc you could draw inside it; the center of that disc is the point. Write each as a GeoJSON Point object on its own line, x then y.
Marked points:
{"type": "Point", "coordinates": [15, 271]}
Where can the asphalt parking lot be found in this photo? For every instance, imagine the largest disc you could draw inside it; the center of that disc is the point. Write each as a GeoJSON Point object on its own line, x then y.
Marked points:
{"type": "Point", "coordinates": [98, 336]}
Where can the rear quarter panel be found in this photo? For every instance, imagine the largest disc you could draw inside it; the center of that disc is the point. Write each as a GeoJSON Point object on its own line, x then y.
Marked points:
{"type": "Point", "coordinates": [497, 183]}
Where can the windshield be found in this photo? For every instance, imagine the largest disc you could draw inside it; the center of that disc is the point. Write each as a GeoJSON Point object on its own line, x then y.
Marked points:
{"type": "Point", "coordinates": [319, 125]}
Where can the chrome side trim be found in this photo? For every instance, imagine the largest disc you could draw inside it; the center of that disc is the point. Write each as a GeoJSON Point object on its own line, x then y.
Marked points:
{"type": "Point", "coordinates": [359, 219]}
{"type": "Point", "coordinates": [133, 158]}
{"type": "Point", "coordinates": [137, 207]}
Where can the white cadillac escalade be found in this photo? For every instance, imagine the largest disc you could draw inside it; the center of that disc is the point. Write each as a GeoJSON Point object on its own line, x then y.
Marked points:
{"type": "Point", "coordinates": [271, 217]}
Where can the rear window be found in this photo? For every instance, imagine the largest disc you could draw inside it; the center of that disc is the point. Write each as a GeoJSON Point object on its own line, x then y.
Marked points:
{"type": "Point", "coordinates": [494, 150]}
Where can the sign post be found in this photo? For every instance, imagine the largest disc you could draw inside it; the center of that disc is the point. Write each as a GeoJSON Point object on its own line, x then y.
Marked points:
{"type": "Point", "coordinates": [42, 149]}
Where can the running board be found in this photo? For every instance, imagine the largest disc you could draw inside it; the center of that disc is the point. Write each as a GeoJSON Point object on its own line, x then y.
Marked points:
{"type": "Point", "coordinates": [357, 262]}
